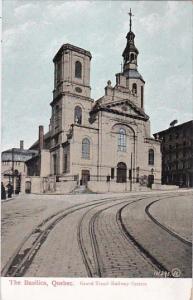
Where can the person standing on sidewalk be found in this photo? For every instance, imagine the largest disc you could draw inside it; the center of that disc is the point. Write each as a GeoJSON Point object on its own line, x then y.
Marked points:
{"type": "Point", "coordinates": [3, 192]}
{"type": "Point", "coordinates": [9, 190]}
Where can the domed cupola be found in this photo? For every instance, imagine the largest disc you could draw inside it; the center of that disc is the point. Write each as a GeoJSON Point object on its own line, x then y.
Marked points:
{"type": "Point", "coordinates": [131, 52]}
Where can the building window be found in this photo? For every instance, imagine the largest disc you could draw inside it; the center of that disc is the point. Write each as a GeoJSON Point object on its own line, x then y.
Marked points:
{"type": "Point", "coordinates": [112, 173]}
{"type": "Point", "coordinates": [151, 157]}
{"type": "Point", "coordinates": [78, 115]}
{"type": "Point", "coordinates": [55, 167]}
{"type": "Point", "coordinates": [86, 148]}
{"type": "Point", "coordinates": [122, 140]}
{"type": "Point", "coordinates": [58, 71]}
{"type": "Point", "coordinates": [132, 57]}
{"type": "Point", "coordinates": [134, 88]}
{"type": "Point", "coordinates": [78, 69]}
{"type": "Point", "coordinates": [65, 162]}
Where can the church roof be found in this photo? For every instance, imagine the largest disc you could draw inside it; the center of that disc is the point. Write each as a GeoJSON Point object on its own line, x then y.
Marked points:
{"type": "Point", "coordinates": [133, 74]}
{"type": "Point", "coordinates": [17, 154]}
{"type": "Point", "coordinates": [73, 48]}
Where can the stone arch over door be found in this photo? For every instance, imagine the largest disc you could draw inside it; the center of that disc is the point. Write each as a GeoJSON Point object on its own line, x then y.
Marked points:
{"type": "Point", "coordinates": [121, 172]}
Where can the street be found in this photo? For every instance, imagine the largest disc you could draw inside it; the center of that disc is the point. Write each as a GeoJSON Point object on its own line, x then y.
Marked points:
{"type": "Point", "coordinates": [98, 235]}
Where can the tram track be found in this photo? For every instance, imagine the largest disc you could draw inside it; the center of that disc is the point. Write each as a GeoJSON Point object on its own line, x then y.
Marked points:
{"type": "Point", "coordinates": [177, 236]}
{"type": "Point", "coordinates": [96, 268]}
{"type": "Point", "coordinates": [93, 268]}
{"type": "Point", "coordinates": [20, 261]}
{"type": "Point", "coordinates": [25, 253]}
{"type": "Point", "coordinates": [139, 246]}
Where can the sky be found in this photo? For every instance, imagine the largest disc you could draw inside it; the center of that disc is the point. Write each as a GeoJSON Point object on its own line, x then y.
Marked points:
{"type": "Point", "coordinates": [33, 31]}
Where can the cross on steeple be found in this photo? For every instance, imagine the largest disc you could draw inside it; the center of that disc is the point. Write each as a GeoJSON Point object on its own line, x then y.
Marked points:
{"type": "Point", "coordinates": [130, 15]}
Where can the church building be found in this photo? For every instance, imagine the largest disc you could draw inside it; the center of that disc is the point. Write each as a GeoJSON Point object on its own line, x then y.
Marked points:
{"type": "Point", "coordinates": [105, 145]}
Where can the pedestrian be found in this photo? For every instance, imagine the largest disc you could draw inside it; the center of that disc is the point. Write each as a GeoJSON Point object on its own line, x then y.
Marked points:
{"type": "Point", "coordinates": [9, 190]}
{"type": "Point", "coordinates": [3, 192]}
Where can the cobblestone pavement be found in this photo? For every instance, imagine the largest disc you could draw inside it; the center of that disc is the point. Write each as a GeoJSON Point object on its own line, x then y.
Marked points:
{"type": "Point", "coordinates": [167, 249]}
{"type": "Point", "coordinates": [99, 237]}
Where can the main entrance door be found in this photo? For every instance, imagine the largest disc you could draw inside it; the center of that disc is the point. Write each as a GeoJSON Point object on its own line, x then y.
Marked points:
{"type": "Point", "coordinates": [121, 172]}
{"type": "Point", "coordinates": [150, 180]}
{"type": "Point", "coordinates": [85, 177]}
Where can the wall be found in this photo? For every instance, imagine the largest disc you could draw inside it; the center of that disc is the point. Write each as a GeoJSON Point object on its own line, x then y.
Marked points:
{"type": "Point", "coordinates": [114, 187]}
{"type": "Point", "coordinates": [48, 185]}
{"type": "Point", "coordinates": [164, 187]}
{"type": "Point", "coordinates": [36, 184]}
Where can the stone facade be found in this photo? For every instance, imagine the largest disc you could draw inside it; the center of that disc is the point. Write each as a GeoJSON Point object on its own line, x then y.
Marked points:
{"type": "Point", "coordinates": [108, 141]}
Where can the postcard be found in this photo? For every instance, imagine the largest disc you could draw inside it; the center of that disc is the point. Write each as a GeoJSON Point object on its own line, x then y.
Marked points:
{"type": "Point", "coordinates": [96, 164]}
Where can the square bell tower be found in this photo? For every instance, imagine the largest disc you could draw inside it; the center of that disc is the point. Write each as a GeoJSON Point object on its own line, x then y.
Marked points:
{"type": "Point", "coordinates": [72, 71]}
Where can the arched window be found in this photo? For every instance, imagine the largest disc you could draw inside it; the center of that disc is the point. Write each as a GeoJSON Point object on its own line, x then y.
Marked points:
{"type": "Point", "coordinates": [134, 88]}
{"type": "Point", "coordinates": [122, 140]}
{"type": "Point", "coordinates": [151, 157]}
{"type": "Point", "coordinates": [132, 57]}
{"type": "Point", "coordinates": [78, 115]}
{"type": "Point", "coordinates": [85, 148]}
{"type": "Point", "coordinates": [121, 172]}
{"type": "Point", "coordinates": [78, 69]}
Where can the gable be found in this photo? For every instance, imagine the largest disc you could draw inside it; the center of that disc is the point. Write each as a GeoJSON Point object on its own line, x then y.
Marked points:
{"type": "Point", "coordinates": [123, 107]}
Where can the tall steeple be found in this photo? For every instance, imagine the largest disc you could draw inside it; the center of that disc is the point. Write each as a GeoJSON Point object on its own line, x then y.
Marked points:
{"type": "Point", "coordinates": [130, 53]}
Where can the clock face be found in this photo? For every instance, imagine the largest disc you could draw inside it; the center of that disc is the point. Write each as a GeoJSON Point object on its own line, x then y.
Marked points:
{"type": "Point", "coordinates": [78, 90]}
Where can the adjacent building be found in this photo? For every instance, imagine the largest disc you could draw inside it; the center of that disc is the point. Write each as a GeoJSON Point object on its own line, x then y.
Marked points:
{"type": "Point", "coordinates": [177, 154]}
{"type": "Point", "coordinates": [13, 165]}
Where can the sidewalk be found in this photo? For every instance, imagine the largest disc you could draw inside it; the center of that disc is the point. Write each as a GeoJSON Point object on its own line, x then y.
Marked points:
{"type": "Point", "coordinates": [9, 199]}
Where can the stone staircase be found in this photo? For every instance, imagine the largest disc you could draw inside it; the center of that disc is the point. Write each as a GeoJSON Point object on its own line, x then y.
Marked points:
{"type": "Point", "coordinates": [82, 189]}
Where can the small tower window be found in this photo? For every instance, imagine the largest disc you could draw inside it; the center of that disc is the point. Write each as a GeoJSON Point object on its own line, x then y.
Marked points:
{"type": "Point", "coordinates": [132, 57]}
{"type": "Point", "coordinates": [141, 96]}
{"type": "Point", "coordinates": [86, 148]}
{"type": "Point", "coordinates": [134, 88]}
{"type": "Point", "coordinates": [78, 69]}
{"type": "Point", "coordinates": [122, 140]}
{"type": "Point", "coordinates": [151, 157]}
{"type": "Point", "coordinates": [78, 115]}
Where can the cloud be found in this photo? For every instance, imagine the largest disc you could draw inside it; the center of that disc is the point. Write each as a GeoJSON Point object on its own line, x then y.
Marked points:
{"type": "Point", "coordinates": [35, 30]}
{"type": "Point", "coordinates": [25, 10]}
{"type": "Point", "coordinates": [12, 35]}
{"type": "Point", "coordinates": [60, 10]}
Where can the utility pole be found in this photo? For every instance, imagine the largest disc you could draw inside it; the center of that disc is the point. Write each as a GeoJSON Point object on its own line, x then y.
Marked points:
{"type": "Point", "coordinates": [12, 168]}
{"type": "Point", "coordinates": [130, 175]}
